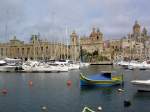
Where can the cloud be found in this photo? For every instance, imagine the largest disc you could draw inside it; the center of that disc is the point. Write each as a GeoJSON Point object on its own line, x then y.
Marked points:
{"type": "Point", "coordinates": [50, 18]}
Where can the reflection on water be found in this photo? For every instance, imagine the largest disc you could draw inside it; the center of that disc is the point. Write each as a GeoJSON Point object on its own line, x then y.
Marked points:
{"type": "Point", "coordinates": [87, 89]}
{"type": "Point", "coordinates": [142, 95]}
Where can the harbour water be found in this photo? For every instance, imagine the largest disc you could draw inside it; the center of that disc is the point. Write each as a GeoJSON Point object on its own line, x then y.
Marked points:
{"type": "Point", "coordinates": [51, 90]}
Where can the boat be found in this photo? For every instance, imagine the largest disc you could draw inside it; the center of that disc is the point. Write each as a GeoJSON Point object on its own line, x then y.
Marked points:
{"type": "Point", "coordinates": [71, 65]}
{"type": "Point", "coordinates": [84, 64]}
{"type": "Point", "coordinates": [4, 67]}
{"type": "Point", "coordinates": [146, 64]}
{"type": "Point", "coordinates": [139, 65]}
{"type": "Point", "coordinates": [35, 66]}
{"type": "Point", "coordinates": [105, 78]}
{"type": "Point", "coordinates": [87, 109]}
{"type": "Point", "coordinates": [141, 85]}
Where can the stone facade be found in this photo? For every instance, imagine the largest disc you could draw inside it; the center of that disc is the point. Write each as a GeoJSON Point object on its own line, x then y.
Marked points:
{"type": "Point", "coordinates": [35, 49]}
{"type": "Point", "coordinates": [92, 43]}
{"type": "Point", "coordinates": [136, 44]}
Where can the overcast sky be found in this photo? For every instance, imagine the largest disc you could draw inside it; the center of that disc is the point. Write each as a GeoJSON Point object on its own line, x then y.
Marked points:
{"type": "Point", "coordinates": [51, 18]}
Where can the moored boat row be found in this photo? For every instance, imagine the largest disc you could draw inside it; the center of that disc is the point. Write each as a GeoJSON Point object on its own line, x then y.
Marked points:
{"type": "Point", "coordinates": [134, 64]}
{"type": "Point", "coordinates": [17, 65]}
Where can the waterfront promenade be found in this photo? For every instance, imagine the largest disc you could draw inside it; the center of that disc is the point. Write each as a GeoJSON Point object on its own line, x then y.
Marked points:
{"type": "Point", "coordinates": [102, 63]}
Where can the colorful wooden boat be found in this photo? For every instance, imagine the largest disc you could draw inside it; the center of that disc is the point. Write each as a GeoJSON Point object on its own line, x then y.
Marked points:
{"type": "Point", "coordinates": [87, 109]}
{"type": "Point", "coordinates": [105, 78]}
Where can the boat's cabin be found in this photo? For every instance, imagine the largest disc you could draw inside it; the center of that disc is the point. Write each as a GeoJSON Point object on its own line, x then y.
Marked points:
{"type": "Point", "coordinates": [109, 74]}
{"type": "Point", "coordinates": [11, 61]}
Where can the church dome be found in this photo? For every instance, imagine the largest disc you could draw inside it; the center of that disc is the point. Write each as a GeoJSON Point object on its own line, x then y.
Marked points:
{"type": "Point", "coordinates": [73, 34]}
{"type": "Point", "coordinates": [136, 25]}
{"type": "Point", "coordinates": [93, 33]}
{"type": "Point", "coordinates": [99, 32]}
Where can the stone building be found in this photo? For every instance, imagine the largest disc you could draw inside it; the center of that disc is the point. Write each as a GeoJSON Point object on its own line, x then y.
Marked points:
{"type": "Point", "coordinates": [134, 45]}
{"type": "Point", "coordinates": [92, 43]}
{"type": "Point", "coordinates": [138, 34]}
{"type": "Point", "coordinates": [115, 47]}
{"type": "Point", "coordinates": [35, 49]}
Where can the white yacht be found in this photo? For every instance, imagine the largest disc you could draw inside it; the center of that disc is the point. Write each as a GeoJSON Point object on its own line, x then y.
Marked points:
{"type": "Point", "coordinates": [140, 65]}
{"type": "Point", "coordinates": [123, 63]}
{"type": "Point", "coordinates": [68, 63]}
{"type": "Point", "coordinates": [146, 64]}
{"type": "Point", "coordinates": [4, 67]}
{"type": "Point", "coordinates": [83, 64]}
{"type": "Point", "coordinates": [35, 66]}
{"type": "Point", "coordinates": [134, 64]}
{"type": "Point", "coordinates": [141, 85]}
{"type": "Point", "coordinates": [13, 62]}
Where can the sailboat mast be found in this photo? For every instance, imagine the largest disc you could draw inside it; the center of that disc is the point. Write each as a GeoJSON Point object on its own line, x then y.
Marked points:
{"type": "Point", "coordinates": [67, 43]}
{"type": "Point", "coordinates": [80, 58]}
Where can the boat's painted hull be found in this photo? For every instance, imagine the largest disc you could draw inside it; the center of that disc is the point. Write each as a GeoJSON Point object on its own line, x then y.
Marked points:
{"type": "Point", "coordinates": [84, 81]}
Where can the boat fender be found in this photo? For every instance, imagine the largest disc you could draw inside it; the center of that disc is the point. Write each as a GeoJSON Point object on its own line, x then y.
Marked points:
{"type": "Point", "coordinates": [30, 83]}
{"type": "Point", "coordinates": [120, 90]}
{"type": "Point", "coordinates": [127, 103]}
{"type": "Point", "coordinates": [99, 108]}
{"type": "Point", "coordinates": [69, 82]}
{"type": "Point", "coordinates": [4, 91]}
{"type": "Point", "coordinates": [44, 109]}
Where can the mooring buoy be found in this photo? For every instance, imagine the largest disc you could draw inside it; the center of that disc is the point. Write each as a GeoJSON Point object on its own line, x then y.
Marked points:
{"type": "Point", "coordinates": [4, 91]}
{"type": "Point", "coordinates": [127, 103]}
{"type": "Point", "coordinates": [99, 108]}
{"type": "Point", "coordinates": [44, 109]}
{"type": "Point", "coordinates": [69, 82]}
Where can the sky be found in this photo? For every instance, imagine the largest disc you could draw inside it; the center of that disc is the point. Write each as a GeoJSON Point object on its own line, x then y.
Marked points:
{"type": "Point", "coordinates": [56, 19]}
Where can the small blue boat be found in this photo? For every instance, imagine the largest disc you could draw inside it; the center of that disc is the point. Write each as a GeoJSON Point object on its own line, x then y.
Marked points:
{"type": "Point", "coordinates": [105, 78]}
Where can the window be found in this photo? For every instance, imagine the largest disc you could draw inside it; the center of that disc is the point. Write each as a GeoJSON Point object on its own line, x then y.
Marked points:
{"type": "Point", "coordinates": [22, 51]}
{"type": "Point", "coordinates": [1, 51]}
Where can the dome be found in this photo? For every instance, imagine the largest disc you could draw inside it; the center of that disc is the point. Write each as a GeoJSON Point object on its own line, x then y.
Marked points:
{"type": "Point", "coordinates": [144, 29]}
{"type": "Point", "coordinates": [93, 33]}
{"type": "Point", "coordinates": [99, 32]}
{"type": "Point", "coordinates": [74, 34]}
{"type": "Point", "coordinates": [136, 25]}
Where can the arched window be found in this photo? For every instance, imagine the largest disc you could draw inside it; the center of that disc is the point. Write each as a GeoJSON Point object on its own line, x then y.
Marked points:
{"type": "Point", "coordinates": [97, 37]}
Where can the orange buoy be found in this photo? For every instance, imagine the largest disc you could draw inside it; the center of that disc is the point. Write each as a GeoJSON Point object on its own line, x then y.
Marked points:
{"type": "Point", "coordinates": [4, 91]}
{"type": "Point", "coordinates": [30, 83]}
{"type": "Point", "coordinates": [69, 82]}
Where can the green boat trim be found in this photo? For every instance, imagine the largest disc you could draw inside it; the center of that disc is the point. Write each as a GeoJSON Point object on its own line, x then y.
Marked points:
{"type": "Point", "coordinates": [87, 109]}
